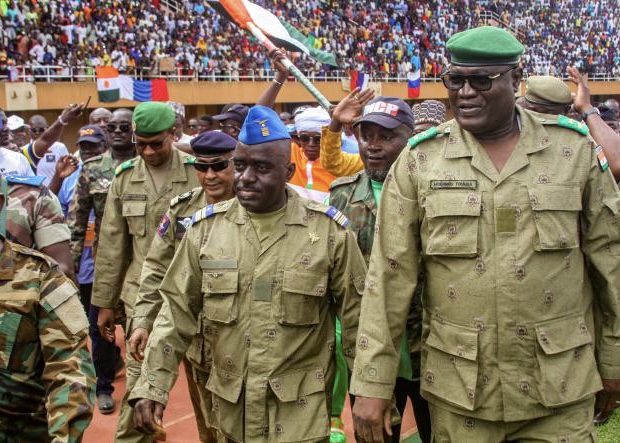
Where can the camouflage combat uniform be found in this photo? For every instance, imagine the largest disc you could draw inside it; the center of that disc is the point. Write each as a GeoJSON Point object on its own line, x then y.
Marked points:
{"type": "Point", "coordinates": [91, 192]}
{"type": "Point", "coordinates": [170, 232]}
{"type": "Point", "coordinates": [34, 216]}
{"type": "Point", "coordinates": [47, 380]}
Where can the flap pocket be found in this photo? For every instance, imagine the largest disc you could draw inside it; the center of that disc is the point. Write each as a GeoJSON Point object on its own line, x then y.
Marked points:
{"type": "Point", "coordinates": [296, 385]}
{"type": "Point", "coordinates": [134, 208]}
{"type": "Point", "coordinates": [304, 283]}
{"type": "Point", "coordinates": [551, 197]}
{"type": "Point", "coordinates": [225, 384]}
{"type": "Point", "coordinates": [223, 263]}
{"type": "Point", "coordinates": [563, 335]}
{"type": "Point", "coordinates": [450, 371]}
{"type": "Point", "coordinates": [220, 281]}
{"type": "Point", "coordinates": [456, 340]}
{"type": "Point", "coordinates": [451, 203]}
{"type": "Point", "coordinates": [9, 325]}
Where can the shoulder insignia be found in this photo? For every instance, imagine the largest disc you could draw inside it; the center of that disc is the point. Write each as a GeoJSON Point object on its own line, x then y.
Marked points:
{"type": "Point", "coordinates": [124, 166]}
{"type": "Point", "coordinates": [163, 225]}
{"type": "Point", "coordinates": [345, 180]}
{"type": "Point", "coordinates": [179, 198]}
{"type": "Point", "coordinates": [25, 180]}
{"type": "Point", "coordinates": [93, 159]}
{"type": "Point", "coordinates": [209, 211]}
{"type": "Point", "coordinates": [576, 126]}
{"type": "Point", "coordinates": [603, 164]}
{"type": "Point", "coordinates": [422, 136]}
{"type": "Point", "coordinates": [190, 160]}
{"type": "Point", "coordinates": [337, 216]}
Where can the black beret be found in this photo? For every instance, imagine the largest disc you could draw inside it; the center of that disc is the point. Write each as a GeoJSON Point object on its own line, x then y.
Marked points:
{"type": "Point", "coordinates": [213, 143]}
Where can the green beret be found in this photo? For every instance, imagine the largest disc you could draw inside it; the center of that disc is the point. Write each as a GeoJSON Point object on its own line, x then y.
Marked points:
{"type": "Point", "coordinates": [547, 90]}
{"type": "Point", "coordinates": [150, 118]}
{"type": "Point", "coordinates": [483, 46]}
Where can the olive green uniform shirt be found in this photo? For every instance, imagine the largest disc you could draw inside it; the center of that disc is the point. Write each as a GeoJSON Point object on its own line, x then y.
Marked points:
{"type": "Point", "coordinates": [514, 261]}
{"type": "Point", "coordinates": [269, 312]}
{"type": "Point", "coordinates": [133, 211]}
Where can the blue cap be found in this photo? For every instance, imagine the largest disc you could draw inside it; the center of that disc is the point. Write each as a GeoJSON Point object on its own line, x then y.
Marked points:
{"type": "Point", "coordinates": [262, 125]}
{"type": "Point", "coordinates": [91, 133]}
{"type": "Point", "coordinates": [212, 143]}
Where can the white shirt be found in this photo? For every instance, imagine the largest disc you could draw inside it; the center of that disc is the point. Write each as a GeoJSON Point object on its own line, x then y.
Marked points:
{"type": "Point", "coordinates": [47, 165]}
{"type": "Point", "coordinates": [13, 163]}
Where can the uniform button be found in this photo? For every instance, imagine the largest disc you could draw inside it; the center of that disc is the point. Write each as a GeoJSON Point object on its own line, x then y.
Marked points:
{"type": "Point", "coordinates": [479, 267]}
{"type": "Point", "coordinates": [459, 351]}
{"type": "Point", "coordinates": [563, 242]}
{"type": "Point", "coordinates": [276, 386]}
{"type": "Point", "coordinates": [524, 387]}
{"type": "Point", "coordinates": [544, 339]}
{"type": "Point", "coordinates": [430, 377]}
{"type": "Point", "coordinates": [372, 372]}
{"type": "Point", "coordinates": [302, 402]}
{"type": "Point", "coordinates": [521, 331]}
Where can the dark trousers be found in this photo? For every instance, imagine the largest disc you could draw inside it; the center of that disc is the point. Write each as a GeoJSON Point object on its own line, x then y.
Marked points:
{"type": "Point", "coordinates": [411, 389]}
{"type": "Point", "coordinates": [105, 354]}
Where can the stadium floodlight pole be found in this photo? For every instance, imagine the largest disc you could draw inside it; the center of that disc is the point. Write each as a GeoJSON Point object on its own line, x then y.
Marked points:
{"type": "Point", "coordinates": [301, 78]}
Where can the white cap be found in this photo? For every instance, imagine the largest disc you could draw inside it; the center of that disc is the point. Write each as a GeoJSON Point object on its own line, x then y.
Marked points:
{"type": "Point", "coordinates": [15, 122]}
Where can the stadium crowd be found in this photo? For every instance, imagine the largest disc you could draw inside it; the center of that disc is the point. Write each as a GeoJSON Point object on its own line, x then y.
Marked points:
{"type": "Point", "coordinates": [384, 39]}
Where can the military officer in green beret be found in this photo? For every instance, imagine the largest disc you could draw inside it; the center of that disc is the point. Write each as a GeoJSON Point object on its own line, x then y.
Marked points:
{"type": "Point", "coordinates": [213, 151]}
{"type": "Point", "coordinates": [514, 217]}
{"type": "Point", "coordinates": [268, 272]}
{"type": "Point", "coordinates": [139, 196]}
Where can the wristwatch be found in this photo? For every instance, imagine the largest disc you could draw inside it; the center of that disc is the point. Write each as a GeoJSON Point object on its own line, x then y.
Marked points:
{"type": "Point", "coordinates": [589, 112]}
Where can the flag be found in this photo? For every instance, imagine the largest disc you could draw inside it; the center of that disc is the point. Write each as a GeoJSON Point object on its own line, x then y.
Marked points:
{"type": "Point", "coordinates": [143, 90]}
{"type": "Point", "coordinates": [358, 80]}
{"type": "Point", "coordinates": [108, 86]}
{"type": "Point", "coordinates": [241, 12]}
{"type": "Point", "coordinates": [323, 56]}
{"type": "Point", "coordinates": [413, 84]}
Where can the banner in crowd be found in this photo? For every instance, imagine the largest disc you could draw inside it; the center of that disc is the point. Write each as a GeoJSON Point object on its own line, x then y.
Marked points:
{"type": "Point", "coordinates": [358, 79]}
{"type": "Point", "coordinates": [242, 12]}
{"type": "Point", "coordinates": [413, 84]}
{"type": "Point", "coordinates": [112, 87]}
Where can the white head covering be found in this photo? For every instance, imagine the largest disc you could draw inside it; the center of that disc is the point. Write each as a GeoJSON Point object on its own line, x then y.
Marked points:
{"type": "Point", "coordinates": [312, 120]}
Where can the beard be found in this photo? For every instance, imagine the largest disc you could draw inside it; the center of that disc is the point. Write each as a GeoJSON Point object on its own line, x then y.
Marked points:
{"type": "Point", "coordinates": [377, 175]}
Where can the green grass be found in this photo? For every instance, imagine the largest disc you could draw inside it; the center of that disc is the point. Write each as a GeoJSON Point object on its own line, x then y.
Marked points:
{"type": "Point", "coordinates": [610, 431]}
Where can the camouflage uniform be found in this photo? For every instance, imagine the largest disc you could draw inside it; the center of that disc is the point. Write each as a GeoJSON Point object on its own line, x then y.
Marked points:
{"type": "Point", "coordinates": [90, 193]}
{"type": "Point", "coordinates": [132, 213]}
{"type": "Point", "coordinates": [148, 303]}
{"type": "Point", "coordinates": [34, 216]}
{"type": "Point", "coordinates": [47, 378]}
{"type": "Point", "coordinates": [514, 261]}
{"type": "Point", "coordinates": [269, 310]}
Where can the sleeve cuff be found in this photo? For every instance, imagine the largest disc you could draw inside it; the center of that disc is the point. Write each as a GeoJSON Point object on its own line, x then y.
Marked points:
{"type": "Point", "coordinates": [372, 381]}
{"type": "Point", "coordinates": [144, 390]}
{"type": "Point", "coordinates": [52, 234]}
{"type": "Point", "coordinates": [140, 322]}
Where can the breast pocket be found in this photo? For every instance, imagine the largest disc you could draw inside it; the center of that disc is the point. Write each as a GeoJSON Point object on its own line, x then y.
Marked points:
{"type": "Point", "coordinates": [556, 210]}
{"type": "Point", "coordinates": [135, 214]}
{"type": "Point", "coordinates": [19, 343]}
{"type": "Point", "coordinates": [453, 218]}
{"type": "Point", "coordinates": [220, 287]}
{"type": "Point", "coordinates": [301, 298]}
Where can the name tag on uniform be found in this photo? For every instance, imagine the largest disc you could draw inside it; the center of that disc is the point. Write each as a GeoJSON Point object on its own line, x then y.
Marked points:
{"type": "Point", "coordinates": [133, 197]}
{"type": "Point", "coordinates": [454, 184]}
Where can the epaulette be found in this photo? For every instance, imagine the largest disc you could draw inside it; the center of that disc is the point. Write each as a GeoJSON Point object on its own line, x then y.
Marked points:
{"type": "Point", "coordinates": [210, 210]}
{"type": "Point", "coordinates": [336, 215]}
{"type": "Point", "coordinates": [33, 180]}
{"type": "Point", "coordinates": [190, 160]}
{"type": "Point", "coordinates": [422, 136]}
{"type": "Point", "coordinates": [93, 159]}
{"type": "Point", "coordinates": [576, 126]}
{"type": "Point", "coordinates": [179, 198]}
{"type": "Point", "coordinates": [124, 166]}
{"type": "Point", "coordinates": [345, 180]}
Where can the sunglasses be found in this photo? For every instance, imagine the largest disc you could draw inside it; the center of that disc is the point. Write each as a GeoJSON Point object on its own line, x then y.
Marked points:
{"type": "Point", "coordinates": [123, 127]}
{"type": "Point", "coordinates": [232, 127]}
{"type": "Point", "coordinates": [154, 145]}
{"type": "Point", "coordinates": [481, 83]}
{"type": "Point", "coordinates": [316, 139]}
{"type": "Point", "coordinates": [216, 166]}
{"type": "Point", "coordinates": [38, 130]}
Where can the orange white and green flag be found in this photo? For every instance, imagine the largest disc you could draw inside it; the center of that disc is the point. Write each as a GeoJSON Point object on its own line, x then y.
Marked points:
{"type": "Point", "coordinates": [108, 84]}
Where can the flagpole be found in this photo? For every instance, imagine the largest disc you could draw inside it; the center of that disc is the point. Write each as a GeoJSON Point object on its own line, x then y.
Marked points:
{"type": "Point", "coordinates": [263, 40]}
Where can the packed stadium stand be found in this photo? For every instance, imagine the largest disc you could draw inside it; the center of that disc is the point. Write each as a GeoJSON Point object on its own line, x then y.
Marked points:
{"type": "Point", "coordinates": [66, 39]}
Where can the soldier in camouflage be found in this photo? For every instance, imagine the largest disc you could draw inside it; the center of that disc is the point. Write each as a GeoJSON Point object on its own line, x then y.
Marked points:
{"type": "Point", "coordinates": [138, 198]}
{"type": "Point", "coordinates": [46, 377]}
{"type": "Point", "coordinates": [35, 220]}
{"type": "Point", "coordinates": [213, 150]}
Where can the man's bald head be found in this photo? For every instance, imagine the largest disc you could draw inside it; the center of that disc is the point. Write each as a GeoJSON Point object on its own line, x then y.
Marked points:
{"type": "Point", "coordinates": [100, 116]}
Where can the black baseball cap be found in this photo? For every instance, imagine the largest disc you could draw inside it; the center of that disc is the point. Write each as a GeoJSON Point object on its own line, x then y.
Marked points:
{"type": "Point", "coordinates": [389, 112]}
{"type": "Point", "coordinates": [236, 112]}
{"type": "Point", "coordinates": [91, 133]}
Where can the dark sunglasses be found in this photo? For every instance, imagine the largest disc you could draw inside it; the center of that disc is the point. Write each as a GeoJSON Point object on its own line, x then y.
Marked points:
{"type": "Point", "coordinates": [455, 82]}
{"type": "Point", "coordinates": [233, 127]}
{"type": "Point", "coordinates": [316, 139]}
{"type": "Point", "coordinates": [124, 127]}
{"type": "Point", "coordinates": [216, 166]}
{"type": "Point", "coordinates": [38, 130]}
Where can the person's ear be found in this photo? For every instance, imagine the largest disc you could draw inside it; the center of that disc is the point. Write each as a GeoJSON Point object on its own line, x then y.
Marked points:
{"type": "Point", "coordinates": [517, 76]}
{"type": "Point", "coordinates": [290, 171]}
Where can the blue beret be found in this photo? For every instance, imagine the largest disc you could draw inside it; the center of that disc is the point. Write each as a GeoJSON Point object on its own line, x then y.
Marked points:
{"type": "Point", "coordinates": [262, 125]}
{"type": "Point", "coordinates": [212, 143]}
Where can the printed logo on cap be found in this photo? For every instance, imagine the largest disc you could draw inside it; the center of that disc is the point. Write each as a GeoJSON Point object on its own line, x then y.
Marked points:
{"type": "Point", "coordinates": [381, 108]}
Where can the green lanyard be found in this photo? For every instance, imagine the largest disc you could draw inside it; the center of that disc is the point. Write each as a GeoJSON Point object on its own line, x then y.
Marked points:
{"type": "Point", "coordinates": [4, 191]}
